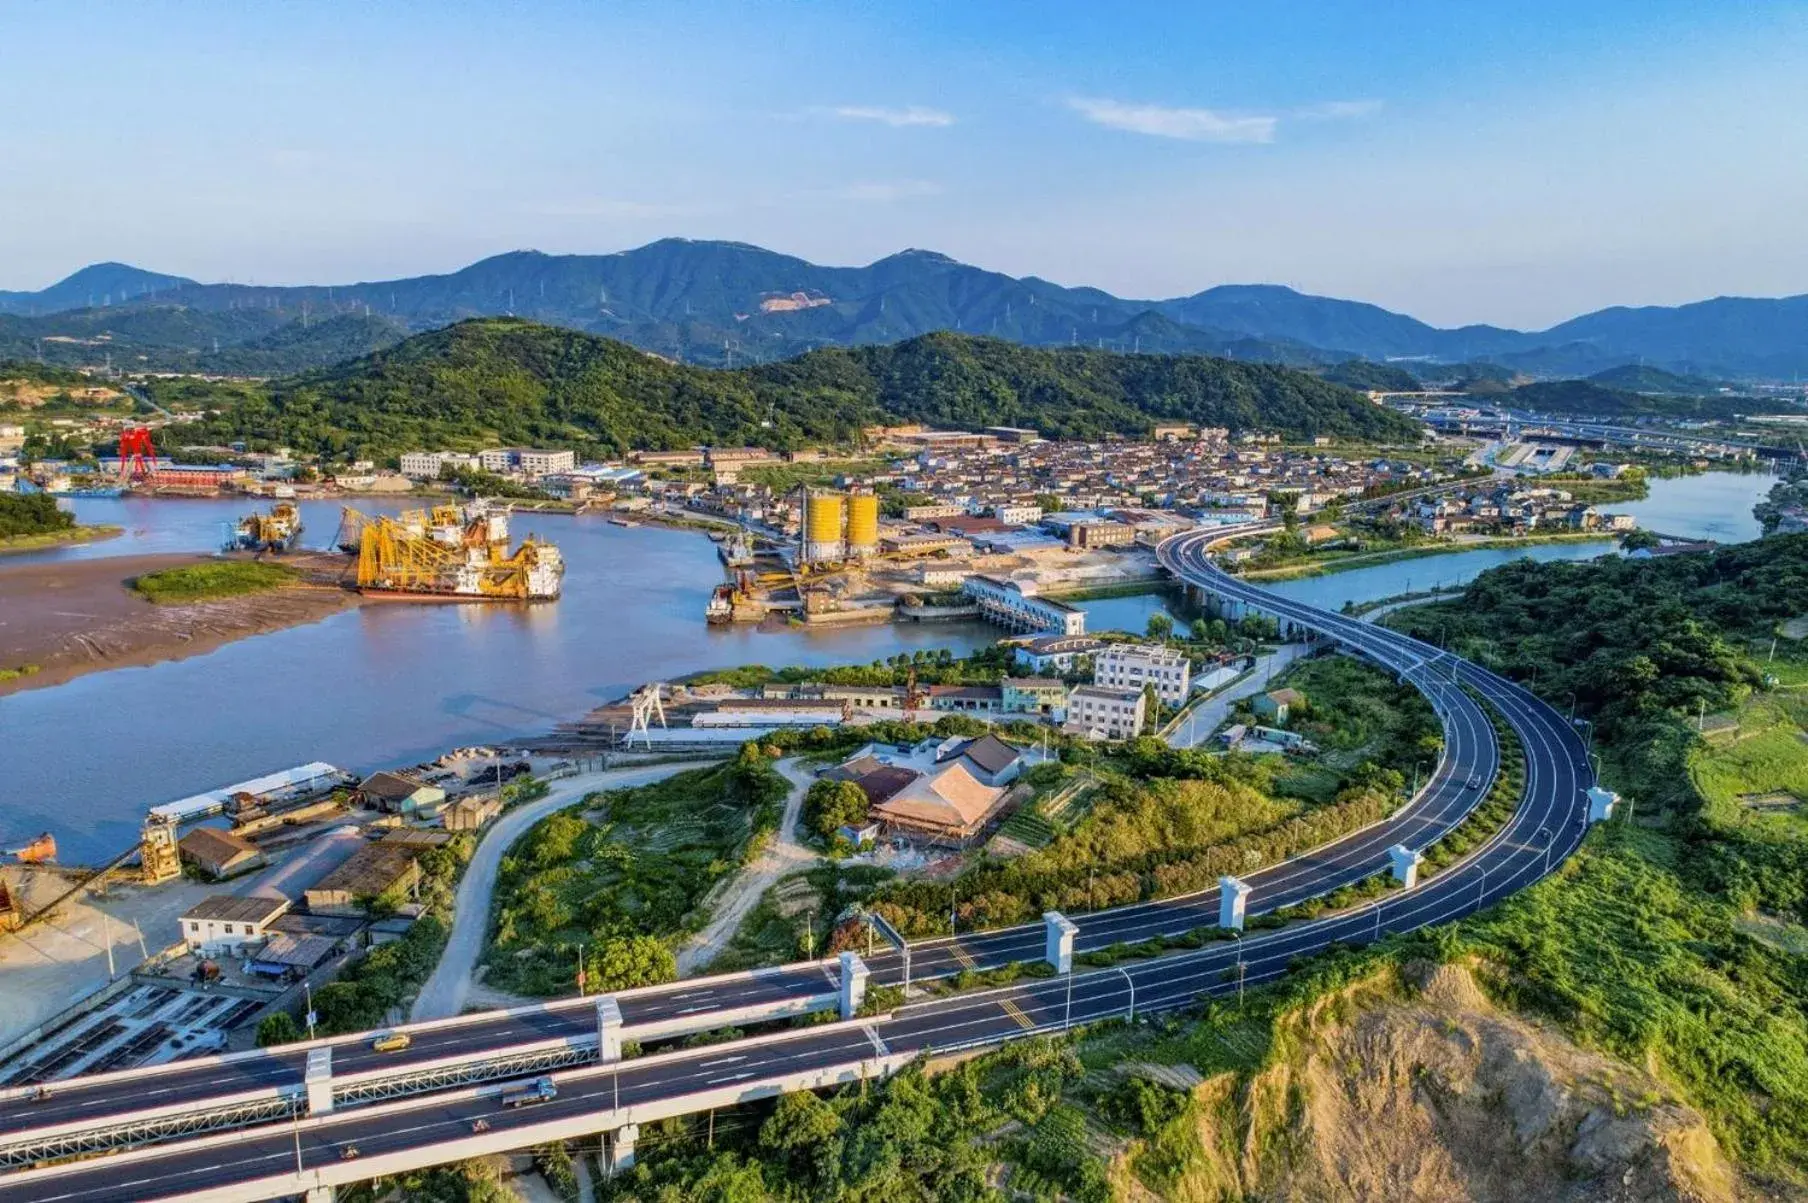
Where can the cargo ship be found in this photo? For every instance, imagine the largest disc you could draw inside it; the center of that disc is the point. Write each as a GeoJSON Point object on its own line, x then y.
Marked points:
{"type": "Point", "coordinates": [453, 553]}
{"type": "Point", "coordinates": [277, 531]}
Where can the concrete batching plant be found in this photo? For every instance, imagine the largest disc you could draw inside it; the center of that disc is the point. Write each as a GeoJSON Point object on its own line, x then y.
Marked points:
{"type": "Point", "coordinates": [839, 526]}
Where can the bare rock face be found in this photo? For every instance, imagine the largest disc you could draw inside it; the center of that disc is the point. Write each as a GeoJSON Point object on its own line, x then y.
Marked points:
{"type": "Point", "coordinates": [1442, 1096]}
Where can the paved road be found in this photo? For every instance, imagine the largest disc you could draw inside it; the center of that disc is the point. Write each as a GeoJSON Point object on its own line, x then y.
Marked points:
{"type": "Point", "coordinates": [1207, 716]}
{"type": "Point", "coordinates": [1545, 828]}
{"type": "Point", "coordinates": [444, 994]}
{"type": "Point", "coordinates": [1471, 753]}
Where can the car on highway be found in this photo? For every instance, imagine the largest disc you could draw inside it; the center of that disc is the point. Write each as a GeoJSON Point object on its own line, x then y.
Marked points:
{"type": "Point", "coordinates": [540, 1090]}
{"type": "Point", "coordinates": [391, 1042]}
{"type": "Point", "coordinates": [1475, 782]}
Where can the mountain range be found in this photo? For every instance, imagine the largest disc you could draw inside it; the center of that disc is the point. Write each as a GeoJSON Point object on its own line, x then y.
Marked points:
{"type": "Point", "coordinates": [727, 303]}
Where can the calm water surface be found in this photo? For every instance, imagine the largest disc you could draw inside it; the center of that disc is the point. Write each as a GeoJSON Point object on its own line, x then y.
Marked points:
{"type": "Point", "coordinates": [387, 684]}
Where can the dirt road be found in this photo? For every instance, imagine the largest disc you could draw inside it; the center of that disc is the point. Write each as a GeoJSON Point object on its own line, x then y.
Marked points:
{"type": "Point", "coordinates": [445, 993]}
{"type": "Point", "coordinates": [782, 856]}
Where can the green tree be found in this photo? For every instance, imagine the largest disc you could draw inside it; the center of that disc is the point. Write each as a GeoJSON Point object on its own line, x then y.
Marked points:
{"type": "Point", "coordinates": [1160, 626]}
{"type": "Point", "coordinates": [278, 1027]}
{"type": "Point", "coordinates": [621, 963]}
{"type": "Point", "coordinates": [834, 804]}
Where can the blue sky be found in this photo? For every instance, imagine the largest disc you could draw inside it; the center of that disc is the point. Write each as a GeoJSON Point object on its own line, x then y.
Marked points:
{"type": "Point", "coordinates": [1463, 162]}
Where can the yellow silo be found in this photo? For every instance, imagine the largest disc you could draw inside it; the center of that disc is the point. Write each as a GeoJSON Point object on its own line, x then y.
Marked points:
{"type": "Point", "coordinates": [824, 514]}
{"type": "Point", "coordinates": [862, 525]}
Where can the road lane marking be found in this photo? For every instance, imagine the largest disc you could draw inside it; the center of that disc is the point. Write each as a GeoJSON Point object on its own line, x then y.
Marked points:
{"type": "Point", "coordinates": [1016, 1013]}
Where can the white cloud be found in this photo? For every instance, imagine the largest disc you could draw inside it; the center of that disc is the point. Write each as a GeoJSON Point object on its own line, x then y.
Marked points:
{"type": "Point", "coordinates": [909, 115]}
{"type": "Point", "coordinates": [883, 190]}
{"type": "Point", "coordinates": [1190, 125]}
{"type": "Point", "coordinates": [1338, 110]}
{"type": "Point", "coordinates": [612, 208]}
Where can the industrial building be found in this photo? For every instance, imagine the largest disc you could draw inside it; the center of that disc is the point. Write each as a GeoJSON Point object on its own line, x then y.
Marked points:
{"type": "Point", "coordinates": [219, 854]}
{"type": "Point", "coordinates": [226, 922]}
{"type": "Point", "coordinates": [1009, 605]}
{"type": "Point", "coordinates": [1134, 665]}
{"type": "Point", "coordinates": [373, 872]}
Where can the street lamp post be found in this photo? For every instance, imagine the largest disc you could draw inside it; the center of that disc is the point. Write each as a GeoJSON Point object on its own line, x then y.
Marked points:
{"type": "Point", "coordinates": [1067, 1020]}
{"type": "Point", "coordinates": [1549, 840]}
{"type": "Point", "coordinates": [1131, 982]}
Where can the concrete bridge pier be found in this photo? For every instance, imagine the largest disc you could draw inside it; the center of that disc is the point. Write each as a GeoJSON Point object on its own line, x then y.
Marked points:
{"type": "Point", "coordinates": [1233, 901]}
{"type": "Point", "coordinates": [621, 1148]}
{"type": "Point", "coordinates": [1405, 865]}
{"type": "Point", "coordinates": [319, 1079]}
{"type": "Point", "coordinates": [1058, 946]}
{"type": "Point", "coordinates": [320, 1194]}
{"type": "Point", "coordinates": [608, 1029]}
{"type": "Point", "coordinates": [853, 984]}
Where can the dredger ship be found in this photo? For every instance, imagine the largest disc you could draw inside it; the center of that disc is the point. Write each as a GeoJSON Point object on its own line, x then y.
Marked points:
{"type": "Point", "coordinates": [278, 531]}
{"type": "Point", "coordinates": [450, 553]}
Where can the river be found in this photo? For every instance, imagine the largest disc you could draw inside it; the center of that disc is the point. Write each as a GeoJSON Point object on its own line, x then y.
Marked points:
{"type": "Point", "coordinates": [388, 684]}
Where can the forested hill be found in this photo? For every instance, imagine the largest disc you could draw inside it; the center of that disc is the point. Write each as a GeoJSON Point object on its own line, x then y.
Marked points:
{"type": "Point", "coordinates": [507, 380]}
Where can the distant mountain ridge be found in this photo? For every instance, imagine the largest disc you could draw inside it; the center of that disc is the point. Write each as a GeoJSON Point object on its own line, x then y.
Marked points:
{"type": "Point", "coordinates": [730, 302]}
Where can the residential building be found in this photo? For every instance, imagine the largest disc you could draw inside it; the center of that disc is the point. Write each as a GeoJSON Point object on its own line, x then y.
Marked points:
{"type": "Point", "coordinates": [991, 760]}
{"type": "Point", "coordinates": [1057, 653]}
{"type": "Point", "coordinates": [400, 794]}
{"type": "Point", "coordinates": [224, 922]}
{"type": "Point", "coordinates": [1008, 604]}
{"type": "Point", "coordinates": [219, 854]}
{"type": "Point", "coordinates": [468, 814]}
{"type": "Point", "coordinates": [1276, 705]}
{"type": "Point", "coordinates": [922, 513]}
{"type": "Point", "coordinates": [1017, 513]}
{"type": "Point", "coordinates": [1133, 665]}
{"type": "Point", "coordinates": [1104, 712]}
{"type": "Point", "coordinates": [1045, 696]}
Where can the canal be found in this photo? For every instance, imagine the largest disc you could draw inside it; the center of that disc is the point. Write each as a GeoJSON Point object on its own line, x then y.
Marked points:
{"type": "Point", "coordinates": [382, 685]}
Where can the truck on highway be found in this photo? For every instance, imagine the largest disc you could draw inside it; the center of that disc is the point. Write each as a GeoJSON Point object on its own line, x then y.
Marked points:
{"type": "Point", "coordinates": [539, 1090]}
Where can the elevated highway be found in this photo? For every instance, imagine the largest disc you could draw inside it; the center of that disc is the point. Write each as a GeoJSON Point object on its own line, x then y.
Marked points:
{"type": "Point", "coordinates": [419, 1129]}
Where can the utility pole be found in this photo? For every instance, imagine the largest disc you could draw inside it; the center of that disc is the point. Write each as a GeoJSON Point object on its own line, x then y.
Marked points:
{"type": "Point", "coordinates": [106, 926]}
{"type": "Point", "coordinates": [307, 989]}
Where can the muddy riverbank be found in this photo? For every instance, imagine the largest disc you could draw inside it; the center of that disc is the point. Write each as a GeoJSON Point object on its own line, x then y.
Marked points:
{"type": "Point", "coordinates": [61, 619]}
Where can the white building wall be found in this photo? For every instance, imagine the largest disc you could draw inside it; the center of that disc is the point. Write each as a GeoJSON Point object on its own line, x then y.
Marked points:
{"type": "Point", "coordinates": [1132, 666]}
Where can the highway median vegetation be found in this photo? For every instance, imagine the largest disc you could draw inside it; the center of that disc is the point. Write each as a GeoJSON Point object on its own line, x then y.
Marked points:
{"type": "Point", "coordinates": [623, 876]}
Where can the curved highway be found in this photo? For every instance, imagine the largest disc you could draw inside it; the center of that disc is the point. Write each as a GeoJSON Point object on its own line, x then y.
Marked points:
{"type": "Point", "coordinates": [1547, 826]}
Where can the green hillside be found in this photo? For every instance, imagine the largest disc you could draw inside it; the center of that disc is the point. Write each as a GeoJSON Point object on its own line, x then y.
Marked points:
{"type": "Point", "coordinates": [1643, 378]}
{"type": "Point", "coordinates": [1382, 377]}
{"type": "Point", "coordinates": [507, 380]}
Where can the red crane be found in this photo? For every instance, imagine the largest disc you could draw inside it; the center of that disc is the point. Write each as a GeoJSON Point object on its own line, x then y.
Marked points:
{"type": "Point", "coordinates": [137, 454]}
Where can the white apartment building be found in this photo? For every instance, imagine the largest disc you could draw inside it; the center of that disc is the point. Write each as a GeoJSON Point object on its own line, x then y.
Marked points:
{"type": "Point", "coordinates": [1017, 515]}
{"type": "Point", "coordinates": [1115, 713]}
{"type": "Point", "coordinates": [529, 461]}
{"type": "Point", "coordinates": [425, 465]}
{"type": "Point", "coordinates": [1132, 666]}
